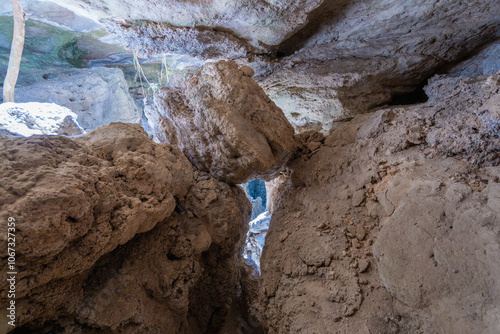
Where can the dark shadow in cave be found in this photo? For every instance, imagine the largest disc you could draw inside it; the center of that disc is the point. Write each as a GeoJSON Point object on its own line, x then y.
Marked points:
{"type": "Point", "coordinates": [416, 96]}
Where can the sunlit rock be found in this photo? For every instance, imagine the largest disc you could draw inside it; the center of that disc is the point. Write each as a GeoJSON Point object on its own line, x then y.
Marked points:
{"type": "Point", "coordinates": [33, 118]}
{"type": "Point", "coordinates": [256, 238]}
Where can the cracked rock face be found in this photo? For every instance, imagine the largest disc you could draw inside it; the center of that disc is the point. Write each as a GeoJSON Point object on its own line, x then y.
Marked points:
{"type": "Point", "coordinates": [390, 223]}
{"type": "Point", "coordinates": [96, 228]}
{"type": "Point", "coordinates": [224, 123]}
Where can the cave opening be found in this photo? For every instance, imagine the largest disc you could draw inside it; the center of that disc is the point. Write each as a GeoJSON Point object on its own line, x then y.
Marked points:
{"type": "Point", "coordinates": [259, 222]}
{"type": "Point", "coordinates": [416, 96]}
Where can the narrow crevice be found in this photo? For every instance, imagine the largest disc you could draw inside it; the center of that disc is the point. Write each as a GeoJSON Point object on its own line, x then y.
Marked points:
{"type": "Point", "coordinates": [259, 224]}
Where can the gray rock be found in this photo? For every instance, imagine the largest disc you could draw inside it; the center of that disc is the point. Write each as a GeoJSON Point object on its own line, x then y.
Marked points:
{"type": "Point", "coordinates": [487, 61]}
{"type": "Point", "coordinates": [98, 96]}
{"type": "Point", "coordinates": [155, 39]}
{"type": "Point", "coordinates": [268, 22]}
{"type": "Point", "coordinates": [53, 14]}
{"type": "Point", "coordinates": [28, 119]}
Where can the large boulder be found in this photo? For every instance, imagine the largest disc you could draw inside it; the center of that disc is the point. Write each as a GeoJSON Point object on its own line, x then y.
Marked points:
{"type": "Point", "coordinates": [75, 200]}
{"type": "Point", "coordinates": [224, 123]}
{"type": "Point", "coordinates": [113, 229]}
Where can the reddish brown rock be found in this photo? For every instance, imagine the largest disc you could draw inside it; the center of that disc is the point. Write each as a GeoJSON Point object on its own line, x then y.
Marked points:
{"type": "Point", "coordinates": [99, 246]}
{"type": "Point", "coordinates": [224, 123]}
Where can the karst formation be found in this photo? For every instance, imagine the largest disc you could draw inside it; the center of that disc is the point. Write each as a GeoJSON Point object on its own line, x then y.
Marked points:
{"type": "Point", "coordinates": [250, 167]}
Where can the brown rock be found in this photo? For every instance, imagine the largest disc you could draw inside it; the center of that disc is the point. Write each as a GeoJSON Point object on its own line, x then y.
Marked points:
{"type": "Point", "coordinates": [99, 244]}
{"type": "Point", "coordinates": [224, 123]}
{"type": "Point", "coordinates": [77, 199]}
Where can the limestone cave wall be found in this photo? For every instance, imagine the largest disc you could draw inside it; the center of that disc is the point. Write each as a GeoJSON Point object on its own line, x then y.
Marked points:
{"type": "Point", "coordinates": [375, 125]}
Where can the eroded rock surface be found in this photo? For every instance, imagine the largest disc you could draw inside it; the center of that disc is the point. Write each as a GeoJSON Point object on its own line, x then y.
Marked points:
{"type": "Point", "coordinates": [386, 226]}
{"type": "Point", "coordinates": [224, 123]}
{"type": "Point", "coordinates": [320, 61]}
{"type": "Point", "coordinates": [99, 245]}
{"type": "Point", "coordinates": [98, 96]}
{"type": "Point", "coordinates": [78, 199]}
{"type": "Point", "coordinates": [259, 22]}
{"type": "Point", "coordinates": [315, 93]}
{"type": "Point", "coordinates": [154, 39]}
{"type": "Point", "coordinates": [486, 61]}
{"type": "Point", "coordinates": [357, 55]}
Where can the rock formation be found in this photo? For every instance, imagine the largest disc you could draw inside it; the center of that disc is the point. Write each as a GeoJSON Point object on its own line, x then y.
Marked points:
{"type": "Point", "coordinates": [375, 124]}
{"type": "Point", "coordinates": [97, 96]}
{"type": "Point", "coordinates": [342, 58]}
{"type": "Point", "coordinates": [260, 22]}
{"type": "Point", "coordinates": [224, 123]}
{"type": "Point", "coordinates": [92, 200]}
{"type": "Point", "coordinates": [390, 224]}
{"type": "Point", "coordinates": [31, 118]}
{"type": "Point", "coordinates": [162, 38]}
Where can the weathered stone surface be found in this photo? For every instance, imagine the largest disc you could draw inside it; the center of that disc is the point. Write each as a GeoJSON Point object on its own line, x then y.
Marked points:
{"type": "Point", "coordinates": [224, 123]}
{"type": "Point", "coordinates": [27, 119]}
{"type": "Point", "coordinates": [342, 58]}
{"type": "Point", "coordinates": [99, 246]}
{"type": "Point", "coordinates": [356, 55]}
{"type": "Point", "coordinates": [426, 209]}
{"type": "Point", "coordinates": [487, 61]}
{"type": "Point", "coordinates": [418, 186]}
{"type": "Point", "coordinates": [77, 199]}
{"type": "Point", "coordinates": [97, 95]}
{"type": "Point", "coordinates": [467, 125]}
{"type": "Point", "coordinates": [267, 22]}
{"type": "Point", "coordinates": [154, 39]}
{"type": "Point", "coordinates": [437, 253]}
{"type": "Point", "coordinates": [51, 13]}
{"type": "Point", "coordinates": [314, 94]}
